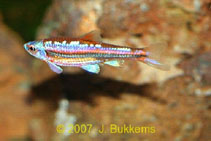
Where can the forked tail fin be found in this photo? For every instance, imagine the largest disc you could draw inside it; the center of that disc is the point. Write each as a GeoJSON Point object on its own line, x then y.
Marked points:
{"type": "Point", "coordinates": [154, 56]}
{"type": "Point", "coordinates": [156, 64]}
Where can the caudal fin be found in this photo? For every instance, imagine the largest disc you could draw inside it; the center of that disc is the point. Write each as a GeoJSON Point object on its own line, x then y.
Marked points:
{"type": "Point", "coordinates": [154, 56]}
{"type": "Point", "coordinates": [156, 64]}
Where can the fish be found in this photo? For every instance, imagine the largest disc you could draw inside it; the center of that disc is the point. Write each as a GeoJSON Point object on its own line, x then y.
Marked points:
{"type": "Point", "coordinates": [87, 52]}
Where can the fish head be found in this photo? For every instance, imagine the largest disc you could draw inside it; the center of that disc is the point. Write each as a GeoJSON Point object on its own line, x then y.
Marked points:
{"type": "Point", "coordinates": [36, 49]}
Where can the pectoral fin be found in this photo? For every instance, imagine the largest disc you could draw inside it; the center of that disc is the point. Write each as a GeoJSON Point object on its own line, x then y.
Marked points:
{"type": "Point", "coordinates": [55, 68]}
{"type": "Point", "coordinates": [91, 68]}
{"type": "Point", "coordinates": [93, 36]}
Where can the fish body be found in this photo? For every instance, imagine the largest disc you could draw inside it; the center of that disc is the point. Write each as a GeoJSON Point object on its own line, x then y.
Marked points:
{"type": "Point", "coordinates": [86, 52]}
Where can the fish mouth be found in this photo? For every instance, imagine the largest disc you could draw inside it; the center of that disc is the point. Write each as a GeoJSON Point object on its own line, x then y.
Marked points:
{"type": "Point", "coordinates": [28, 44]}
{"type": "Point", "coordinates": [25, 46]}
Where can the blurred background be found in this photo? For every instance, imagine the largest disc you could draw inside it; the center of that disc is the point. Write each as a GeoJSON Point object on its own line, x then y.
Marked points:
{"type": "Point", "coordinates": [34, 100]}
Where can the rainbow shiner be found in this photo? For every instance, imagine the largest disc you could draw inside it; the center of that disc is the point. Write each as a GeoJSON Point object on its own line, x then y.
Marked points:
{"type": "Point", "coordinates": [87, 52]}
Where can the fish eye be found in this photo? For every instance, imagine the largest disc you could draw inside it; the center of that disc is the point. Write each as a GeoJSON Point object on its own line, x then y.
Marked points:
{"type": "Point", "coordinates": [31, 48]}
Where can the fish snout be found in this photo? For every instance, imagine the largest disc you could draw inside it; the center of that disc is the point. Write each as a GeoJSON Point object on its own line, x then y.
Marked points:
{"type": "Point", "coordinates": [25, 46]}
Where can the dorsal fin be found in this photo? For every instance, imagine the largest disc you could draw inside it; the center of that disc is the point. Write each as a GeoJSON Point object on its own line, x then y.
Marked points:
{"type": "Point", "coordinates": [93, 36]}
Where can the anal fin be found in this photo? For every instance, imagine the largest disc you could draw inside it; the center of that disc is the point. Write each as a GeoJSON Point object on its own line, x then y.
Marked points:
{"type": "Point", "coordinates": [114, 63]}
